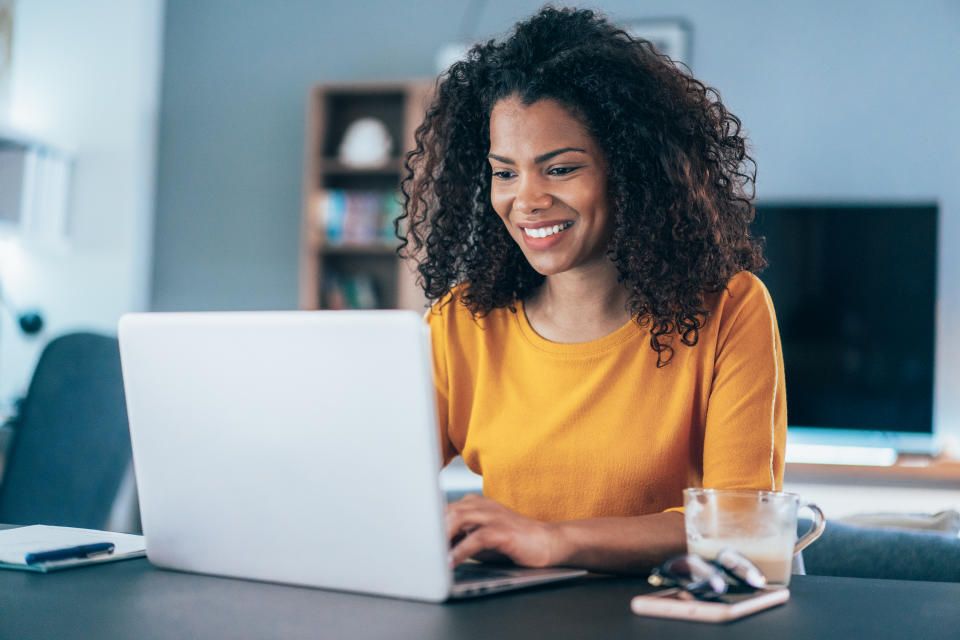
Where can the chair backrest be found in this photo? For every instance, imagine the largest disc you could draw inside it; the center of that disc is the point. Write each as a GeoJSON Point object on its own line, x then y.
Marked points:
{"type": "Point", "coordinates": [71, 446]}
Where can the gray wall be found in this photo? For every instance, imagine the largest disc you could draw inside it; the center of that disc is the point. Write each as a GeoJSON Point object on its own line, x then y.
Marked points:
{"type": "Point", "coordinates": [843, 100]}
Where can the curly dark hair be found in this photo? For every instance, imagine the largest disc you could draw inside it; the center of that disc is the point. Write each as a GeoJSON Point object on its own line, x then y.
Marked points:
{"type": "Point", "coordinates": [680, 183]}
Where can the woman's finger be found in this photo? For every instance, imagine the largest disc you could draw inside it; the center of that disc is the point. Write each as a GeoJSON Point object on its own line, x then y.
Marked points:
{"type": "Point", "coordinates": [461, 518]}
{"type": "Point", "coordinates": [461, 523]}
{"type": "Point", "coordinates": [482, 539]}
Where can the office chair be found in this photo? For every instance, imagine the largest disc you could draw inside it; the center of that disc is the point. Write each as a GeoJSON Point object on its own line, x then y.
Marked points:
{"type": "Point", "coordinates": [69, 461]}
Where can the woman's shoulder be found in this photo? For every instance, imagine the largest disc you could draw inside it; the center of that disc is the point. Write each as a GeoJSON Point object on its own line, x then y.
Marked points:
{"type": "Point", "coordinates": [746, 284]}
{"type": "Point", "coordinates": [745, 294]}
{"type": "Point", "coordinates": [449, 306]}
{"type": "Point", "coordinates": [451, 309]}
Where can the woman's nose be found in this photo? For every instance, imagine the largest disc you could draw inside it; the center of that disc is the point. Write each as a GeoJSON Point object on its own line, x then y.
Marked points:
{"type": "Point", "coordinates": [532, 197]}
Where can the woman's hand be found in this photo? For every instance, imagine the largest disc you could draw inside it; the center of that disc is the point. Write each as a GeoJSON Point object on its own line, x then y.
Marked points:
{"type": "Point", "coordinates": [626, 544]}
{"type": "Point", "coordinates": [477, 524]}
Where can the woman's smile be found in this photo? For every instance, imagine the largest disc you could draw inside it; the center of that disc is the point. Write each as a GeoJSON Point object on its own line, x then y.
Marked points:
{"type": "Point", "coordinates": [543, 235]}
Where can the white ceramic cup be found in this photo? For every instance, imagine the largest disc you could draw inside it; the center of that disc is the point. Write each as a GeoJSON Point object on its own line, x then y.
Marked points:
{"type": "Point", "coordinates": [762, 525]}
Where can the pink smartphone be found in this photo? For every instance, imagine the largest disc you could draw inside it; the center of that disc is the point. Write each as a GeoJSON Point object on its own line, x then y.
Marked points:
{"type": "Point", "coordinates": [675, 603]}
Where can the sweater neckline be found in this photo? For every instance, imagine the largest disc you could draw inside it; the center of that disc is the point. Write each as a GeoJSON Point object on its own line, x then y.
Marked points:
{"type": "Point", "coordinates": [625, 333]}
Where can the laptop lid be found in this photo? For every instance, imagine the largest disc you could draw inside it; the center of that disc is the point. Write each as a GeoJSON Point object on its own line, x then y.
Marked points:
{"type": "Point", "coordinates": [296, 447]}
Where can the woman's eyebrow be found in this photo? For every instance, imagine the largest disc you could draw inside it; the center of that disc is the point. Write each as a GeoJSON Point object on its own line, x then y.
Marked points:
{"type": "Point", "coordinates": [541, 158]}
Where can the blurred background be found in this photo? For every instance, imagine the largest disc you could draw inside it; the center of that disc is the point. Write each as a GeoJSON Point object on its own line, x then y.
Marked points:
{"type": "Point", "coordinates": [176, 136]}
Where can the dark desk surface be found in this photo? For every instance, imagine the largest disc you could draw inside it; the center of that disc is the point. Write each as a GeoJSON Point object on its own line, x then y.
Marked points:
{"type": "Point", "coordinates": [132, 599]}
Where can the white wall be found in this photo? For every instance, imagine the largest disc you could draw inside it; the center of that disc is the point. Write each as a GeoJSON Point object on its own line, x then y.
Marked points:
{"type": "Point", "coordinates": [86, 77]}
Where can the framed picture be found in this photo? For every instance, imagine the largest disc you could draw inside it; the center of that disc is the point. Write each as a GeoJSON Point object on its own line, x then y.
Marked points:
{"type": "Point", "coordinates": [672, 37]}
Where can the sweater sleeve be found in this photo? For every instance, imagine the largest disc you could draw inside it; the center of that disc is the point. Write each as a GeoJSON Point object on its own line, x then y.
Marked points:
{"type": "Point", "coordinates": [435, 320]}
{"type": "Point", "coordinates": [746, 426]}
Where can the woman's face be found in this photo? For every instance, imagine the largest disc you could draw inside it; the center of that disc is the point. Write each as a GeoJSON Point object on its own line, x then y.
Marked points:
{"type": "Point", "coordinates": [549, 185]}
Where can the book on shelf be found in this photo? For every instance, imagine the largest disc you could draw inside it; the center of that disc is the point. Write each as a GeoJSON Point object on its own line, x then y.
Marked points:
{"type": "Point", "coordinates": [349, 291]}
{"type": "Point", "coordinates": [351, 217]}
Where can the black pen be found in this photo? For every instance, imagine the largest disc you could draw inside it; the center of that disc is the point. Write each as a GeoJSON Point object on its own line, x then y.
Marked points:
{"type": "Point", "coordinates": [79, 552]}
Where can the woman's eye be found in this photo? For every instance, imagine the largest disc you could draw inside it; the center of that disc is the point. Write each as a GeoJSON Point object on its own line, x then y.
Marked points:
{"type": "Point", "coordinates": [562, 171]}
{"type": "Point", "coordinates": [503, 175]}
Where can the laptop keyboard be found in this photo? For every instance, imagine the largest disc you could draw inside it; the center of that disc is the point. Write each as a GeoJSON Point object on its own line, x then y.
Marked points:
{"type": "Point", "coordinates": [469, 573]}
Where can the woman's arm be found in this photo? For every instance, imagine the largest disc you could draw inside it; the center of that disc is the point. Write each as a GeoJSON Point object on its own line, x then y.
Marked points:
{"type": "Point", "coordinates": [746, 424]}
{"type": "Point", "coordinates": [633, 544]}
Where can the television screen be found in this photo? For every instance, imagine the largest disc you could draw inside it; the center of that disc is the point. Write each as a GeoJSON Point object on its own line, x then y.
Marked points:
{"type": "Point", "coordinates": [854, 288]}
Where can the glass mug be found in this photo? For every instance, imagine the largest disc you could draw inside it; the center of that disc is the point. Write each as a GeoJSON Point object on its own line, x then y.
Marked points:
{"type": "Point", "coordinates": [762, 525]}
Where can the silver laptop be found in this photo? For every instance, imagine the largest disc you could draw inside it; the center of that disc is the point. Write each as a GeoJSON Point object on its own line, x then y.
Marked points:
{"type": "Point", "coordinates": [295, 447]}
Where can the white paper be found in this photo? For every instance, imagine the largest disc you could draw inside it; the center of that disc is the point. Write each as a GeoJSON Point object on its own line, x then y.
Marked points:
{"type": "Point", "coordinates": [15, 544]}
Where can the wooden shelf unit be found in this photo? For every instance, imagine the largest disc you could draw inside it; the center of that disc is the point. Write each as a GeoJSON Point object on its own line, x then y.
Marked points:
{"type": "Point", "coordinates": [331, 108]}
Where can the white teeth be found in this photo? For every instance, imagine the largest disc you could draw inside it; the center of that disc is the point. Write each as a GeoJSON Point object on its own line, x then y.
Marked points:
{"type": "Point", "coordinates": [543, 232]}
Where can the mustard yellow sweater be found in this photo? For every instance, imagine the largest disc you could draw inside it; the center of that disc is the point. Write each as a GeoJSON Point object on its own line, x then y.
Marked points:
{"type": "Point", "coordinates": [568, 431]}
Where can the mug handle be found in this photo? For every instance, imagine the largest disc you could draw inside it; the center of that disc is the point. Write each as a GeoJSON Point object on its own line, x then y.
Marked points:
{"type": "Point", "coordinates": [815, 530]}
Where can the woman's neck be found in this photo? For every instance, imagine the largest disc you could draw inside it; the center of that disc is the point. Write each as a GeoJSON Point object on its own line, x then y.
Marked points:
{"type": "Point", "coordinates": [578, 306]}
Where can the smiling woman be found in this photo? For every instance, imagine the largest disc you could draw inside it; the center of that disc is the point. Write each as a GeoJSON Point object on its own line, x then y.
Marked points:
{"type": "Point", "coordinates": [579, 208]}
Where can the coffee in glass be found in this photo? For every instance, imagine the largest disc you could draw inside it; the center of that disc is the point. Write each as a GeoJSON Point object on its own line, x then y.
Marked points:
{"type": "Point", "coordinates": [762, 525]}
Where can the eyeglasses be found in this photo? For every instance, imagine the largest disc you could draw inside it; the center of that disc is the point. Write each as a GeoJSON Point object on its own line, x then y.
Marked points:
{"type": "Point", "coordinates": [704, 579]}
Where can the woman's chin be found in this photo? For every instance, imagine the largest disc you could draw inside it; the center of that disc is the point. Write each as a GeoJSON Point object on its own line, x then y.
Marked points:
{"type": "Point", "coordinates": [547, 267]}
